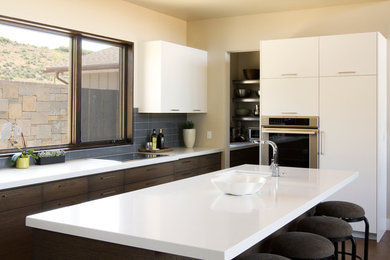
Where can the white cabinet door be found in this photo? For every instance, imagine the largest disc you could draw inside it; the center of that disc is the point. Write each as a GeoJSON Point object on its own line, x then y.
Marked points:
{"type": "Point", "coordinates": [289, 97]}
{"type": "Point", "coordinates": [174, 79]}
{"type": "Point", "coordinates": [350, 54]}
{"type": "Point", "coordinates": [289, 58]}
{"type": "Point", "coordinates": [348, 137]}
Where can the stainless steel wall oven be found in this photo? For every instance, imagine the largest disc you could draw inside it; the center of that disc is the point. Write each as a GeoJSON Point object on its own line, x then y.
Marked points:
{"type": "Point", "coordinates": [296, 138]}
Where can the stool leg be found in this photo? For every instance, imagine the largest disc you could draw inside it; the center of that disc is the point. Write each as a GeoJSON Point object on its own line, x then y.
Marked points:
{"type": "Point", "coordinates": [366, 234]}
{"type": "Point", "coordinates": [336, 250]}
{"type": "Point", "coordinates": [353, 248]}
{"type": "Point", "coordinates": [343, 250]}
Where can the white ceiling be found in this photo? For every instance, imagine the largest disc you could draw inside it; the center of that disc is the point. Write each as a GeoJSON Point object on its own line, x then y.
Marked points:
{"type": "Point", "coordinates": [205, 9]}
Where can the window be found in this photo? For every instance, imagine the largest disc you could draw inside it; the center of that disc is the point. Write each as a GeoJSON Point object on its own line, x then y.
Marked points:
{"type": "Point", "coordinates": [64, 88]}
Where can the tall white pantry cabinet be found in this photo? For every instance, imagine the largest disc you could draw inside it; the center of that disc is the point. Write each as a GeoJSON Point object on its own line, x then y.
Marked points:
{"type": "Point", "coordinates": [350, 83]}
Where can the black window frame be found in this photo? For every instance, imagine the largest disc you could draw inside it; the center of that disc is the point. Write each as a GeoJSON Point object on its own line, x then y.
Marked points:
{"type": "Point", "coordinates": [126, 84]}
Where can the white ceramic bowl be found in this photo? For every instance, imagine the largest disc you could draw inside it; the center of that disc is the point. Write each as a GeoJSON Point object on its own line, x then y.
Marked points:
{"type": "Point", "coordinates": [239, 184]}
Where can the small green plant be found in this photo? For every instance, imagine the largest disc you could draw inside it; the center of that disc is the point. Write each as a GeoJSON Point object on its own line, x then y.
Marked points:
{"type": "Point", "coordinates": [188, 125]}
{"type": "Point", "coordinates": [53, 153]}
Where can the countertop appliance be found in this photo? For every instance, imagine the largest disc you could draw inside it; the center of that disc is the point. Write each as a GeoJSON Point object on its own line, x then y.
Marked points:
{"type": "Point", "coordinates": [253, 134]}
{"type": "Point", "coordinates": [296, 138]}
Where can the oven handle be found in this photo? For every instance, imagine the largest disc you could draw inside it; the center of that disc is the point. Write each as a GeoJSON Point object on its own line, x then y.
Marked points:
{"type": "Point", "coordinates": [289, 131]}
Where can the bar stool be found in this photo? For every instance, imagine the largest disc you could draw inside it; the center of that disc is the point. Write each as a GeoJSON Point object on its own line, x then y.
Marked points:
{"type": "Point", "coordinates": [347, 211]}
{"type": "Point", "coordinates": [302, 245]}
{"type": "Point", "coordinates": [264, 256]}
{"type": "Point", "coordinates": [334, 229]}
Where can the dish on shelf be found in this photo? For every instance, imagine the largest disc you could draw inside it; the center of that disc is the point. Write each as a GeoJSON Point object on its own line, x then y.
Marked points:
{"type": "Point", "coordinates": [251, 73]}
{"type": "Point", "coordinates": [242, 92]}
{"type": "Point", "coordinates": [242, 111]}
{"type": "Point", "coordinates": [239, 184]}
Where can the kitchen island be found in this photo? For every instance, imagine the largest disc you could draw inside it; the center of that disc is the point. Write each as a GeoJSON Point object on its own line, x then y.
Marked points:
{"type": "Point", "coordinates": [190, 217]}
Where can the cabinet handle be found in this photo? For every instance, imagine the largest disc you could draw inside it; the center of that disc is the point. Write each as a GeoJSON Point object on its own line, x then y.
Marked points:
{"type": "Point", "coordinates": [289, 74]}
{"type": "Point", "coordinates": [175, 109]}
{"type": "Point", "coordinates": [195, 109]}
{"type": "Point", "coordinates": [346, 72]}
{"type": "Point", "coordinates": [289, 113]}
{"type": "Point", "coordinates": [107, 177]}
{"type": "Point", "coordinates": [107, 193]}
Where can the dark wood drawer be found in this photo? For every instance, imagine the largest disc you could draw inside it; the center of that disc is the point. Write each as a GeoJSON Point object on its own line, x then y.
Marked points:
{"type": "Point", "coordinates": [209, 159]}
{"type": "Point", "coordinates": [55, 204]}
{"type": "Point", "coordinates": [210, 168]}
{"type": "Point", "coordinates": [185, 174]}
{"type": "Point", "coordinates": [64, 189]}
{"type": "Point", "coordinates": [148, 172]}
{"type": "Point", "coordinates": [105, 180]}
{"type": "Point", "coordinates": [20, 197]}
{"type": "Point", "coordinates": [186, 164]}
{"type": "Point", "coordinates": [105, 193]}
{"type": "Point", "coordinates": [148, 183]}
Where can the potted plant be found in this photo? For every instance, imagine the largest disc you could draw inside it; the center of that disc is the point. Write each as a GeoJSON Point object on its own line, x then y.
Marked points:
{"type": "Point", "coordinates": [49, 157]}
{"type": "Point", "coordinates": [11, 132]}
{"type": "Point", "coordinates": [189, 134]}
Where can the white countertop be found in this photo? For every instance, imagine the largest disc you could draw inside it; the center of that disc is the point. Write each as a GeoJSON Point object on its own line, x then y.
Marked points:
{"type": "Point", "coordinates": [12, 177]}
{"type": "Point", "coordinates": [242, 145]}
{"type": "Point", "coordinates": [191, 217]}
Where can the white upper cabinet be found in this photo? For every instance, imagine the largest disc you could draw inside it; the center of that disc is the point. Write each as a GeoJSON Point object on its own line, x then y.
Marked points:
{"type": "Point", "coordinates": [284, 58]}
{"type": "Point", "coordinates": [174, 79]}
{"type": "Point", "coordinates": [350, 54]}
{"type": "Point", "coordinates": [289, 97]}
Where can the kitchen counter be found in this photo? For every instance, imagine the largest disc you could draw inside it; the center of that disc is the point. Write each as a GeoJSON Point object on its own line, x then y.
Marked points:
{"type": "Point", "coordinates": [242, 145]}
{"type": "Point", "coordinates": [12, 177]}
{"type": "Point", "coordinates": [192, 217]}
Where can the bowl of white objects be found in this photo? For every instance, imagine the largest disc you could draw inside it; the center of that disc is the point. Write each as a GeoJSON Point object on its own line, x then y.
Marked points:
{"type": "Point", "coordinates": [239, 183]}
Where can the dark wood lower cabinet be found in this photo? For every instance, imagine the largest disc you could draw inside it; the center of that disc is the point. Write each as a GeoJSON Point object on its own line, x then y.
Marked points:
{"type": "Point", "coordinates": [244, 156]}
{"type": "Point", "coordinates": [15, 237]}
{"type": "Point", "coordinates": [51, 245]}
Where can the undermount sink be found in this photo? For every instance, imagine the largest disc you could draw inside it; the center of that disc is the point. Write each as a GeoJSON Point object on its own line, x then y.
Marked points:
{"type": "Point", "coordinates": [130, 156]}
{"type": "Point", "coordinates": [239, 183]}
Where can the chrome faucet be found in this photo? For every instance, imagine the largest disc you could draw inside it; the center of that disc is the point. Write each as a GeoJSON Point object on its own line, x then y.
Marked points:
{"type": "Point", "coordinates": [274, 161]}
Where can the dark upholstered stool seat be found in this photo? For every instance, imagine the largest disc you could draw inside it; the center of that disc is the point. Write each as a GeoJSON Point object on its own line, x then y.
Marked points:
{"type": "Point", "coordinates": [340, 209]}
{"type": "Point", "coordinates": [264, 256]}
{"type": "Point", "coordinates": [349, 212]}
{"type": "Point", "coordinates": [302, 245]}
{"type": "Point", "coordinates": [329, 227]}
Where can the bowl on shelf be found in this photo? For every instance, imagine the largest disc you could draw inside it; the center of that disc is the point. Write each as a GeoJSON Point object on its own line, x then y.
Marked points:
{"type": "Point", "coordinates": [251, 74]}
{"type": "Point", "coordinates": [239, 183]}
{"type": "Point", "coordinates": [242, 111]}
{"type": "Point", "coordinates": [242, 92]}
{"type": "Point", "coordinates": [258, 93]}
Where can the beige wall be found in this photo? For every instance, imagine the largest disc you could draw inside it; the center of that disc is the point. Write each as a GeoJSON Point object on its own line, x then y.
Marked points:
{"type": "Point", "coordinates": [219, 36]}
{"type": "Point", "coordinates": [113, 18]}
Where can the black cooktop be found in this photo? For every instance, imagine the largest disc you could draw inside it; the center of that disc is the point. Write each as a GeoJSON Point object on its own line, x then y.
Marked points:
{"type": "Point", "coordinates": [130, 156]}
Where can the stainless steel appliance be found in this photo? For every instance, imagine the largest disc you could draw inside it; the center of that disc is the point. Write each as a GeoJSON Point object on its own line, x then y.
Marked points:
{"type": "Point", "coordinates": [253, 134]}
{"type": "Point", "coordinates": [296, 138]}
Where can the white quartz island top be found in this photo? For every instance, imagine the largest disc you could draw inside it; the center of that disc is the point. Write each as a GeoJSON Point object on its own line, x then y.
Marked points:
{"type": "Point", "coordinates": [191, 217]}
{"type": "Point", "coordinates": [12, 177]}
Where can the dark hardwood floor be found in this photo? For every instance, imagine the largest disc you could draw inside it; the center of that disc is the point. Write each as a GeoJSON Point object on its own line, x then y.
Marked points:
{"type": "Point", "coordinates": [376, 251]}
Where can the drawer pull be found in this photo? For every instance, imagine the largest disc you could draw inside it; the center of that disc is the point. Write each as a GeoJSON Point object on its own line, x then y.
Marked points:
{"type": "Point", "coordinates": [107, 193]}
{"type": "Point", "coordinates": [107, 177]}
{"type": "Point", "coordinates": [346, 72]}
{"type": "Point", "coordinates": [289, 113]}
{"type": "Point", "coordinates": [289, 74]}
{"type": "Point", "coordinates": [195, 109]}
{"type": "Point", "coordinates": [175, 109]}
{"type": "Point", "coordinates": [59, 186]}
{"type": "Point", "coordinates": [151, 169]}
